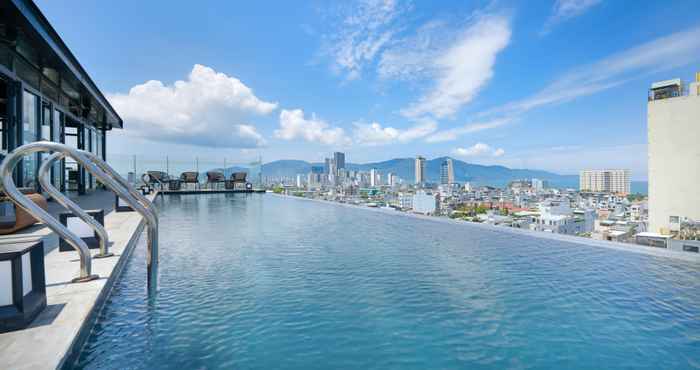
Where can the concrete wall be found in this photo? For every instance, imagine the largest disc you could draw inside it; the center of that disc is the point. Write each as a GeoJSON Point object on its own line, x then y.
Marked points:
{"type": "Point", "coordinates": [674, 160]}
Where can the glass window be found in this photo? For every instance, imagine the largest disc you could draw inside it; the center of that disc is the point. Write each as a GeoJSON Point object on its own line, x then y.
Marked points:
{"type": "Point", "coordinates": [89, 146]}
{"type": "Point", "coordinates": [3, 136]}
{"type": "Point", "coordinates": [56, 137]}
{"type": "Point", "coordinates": [46, 123]}
{"type": "Point", "coordinates": [56, 129]}
{"type": "Point", "coordinates": [93, 134]}
{"type": "Point", "coordinates": [30, 120]}
{"type": "Point", "coordinates": [71, 167]}
{"type": "Point", "coordinates": [4, 124]}
{"type": "Point", "coordinates": [99, 143]}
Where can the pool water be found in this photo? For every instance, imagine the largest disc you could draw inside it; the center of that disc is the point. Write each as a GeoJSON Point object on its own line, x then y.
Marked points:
{"type": "Point", "coordinates": [267, 282]}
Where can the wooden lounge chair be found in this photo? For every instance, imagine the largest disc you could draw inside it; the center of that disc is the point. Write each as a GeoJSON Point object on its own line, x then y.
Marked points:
{"type": "Point", "coordinates": [236, 178]}
{"type": "Point", "coordinates": [22, 219]}
{"type": "Point", "coordinates": [159, 178]}
{"type": "Point", "coordinates": [190, 177]}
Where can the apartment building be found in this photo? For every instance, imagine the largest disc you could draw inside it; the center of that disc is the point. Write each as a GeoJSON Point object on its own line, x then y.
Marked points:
{"type": "Point", "coordinates": [605, 181]}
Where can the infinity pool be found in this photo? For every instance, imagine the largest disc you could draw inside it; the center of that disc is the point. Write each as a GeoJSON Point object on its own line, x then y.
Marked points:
{"type": "Point", "coordinates": [266, 282]}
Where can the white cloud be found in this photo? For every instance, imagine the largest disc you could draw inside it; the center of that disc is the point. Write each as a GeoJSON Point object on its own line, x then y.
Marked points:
{"type": "Point", "coordinates": [413, 57]}
{"type": "Point", "coordinates": [460, 69]}
{"type": "Point", "coordinates": [207, 109]}
{"type": "Point", "coordinates": [478, 150]}
{"type": "Point", "coordinates": [564, 10]}
{"type": "Point", "coordinates": [658, 55]}
{"type": "Point", "coordinates": [455, 133]}
{"type": "Point", "coordinates": [293, 125]}
{"type": "Point", "coordinates": [374, 134]}
{"type": "Point", "coordinates": [363, 31]}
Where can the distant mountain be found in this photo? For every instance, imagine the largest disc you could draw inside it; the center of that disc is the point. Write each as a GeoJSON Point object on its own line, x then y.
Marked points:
{"type": "Point", "coordinates": [475, 173]}
{"type": "Point", "coordinates": [404, 168]}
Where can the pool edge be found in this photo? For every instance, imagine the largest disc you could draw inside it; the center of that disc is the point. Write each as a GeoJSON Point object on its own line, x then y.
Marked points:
{"type": "Point", "coordinates": [625, 247]}
{"type": "Point", "coordinates": [88, 324]}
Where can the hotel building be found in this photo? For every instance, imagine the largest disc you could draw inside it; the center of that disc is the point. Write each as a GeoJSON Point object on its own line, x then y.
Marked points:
{"type": "Point", "coordinates": [45, 94]}
{"type": "Point", "coordinates": [447, 172]}
{"type": "Point", "coordinates": [420, 170]}
{"type": "Point", "coordinates": [605, 181]}
{"type": "Point", "coordinates": [673, 119]}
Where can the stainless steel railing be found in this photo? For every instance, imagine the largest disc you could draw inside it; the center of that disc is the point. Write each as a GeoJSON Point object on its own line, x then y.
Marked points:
{"type": "Point", "coordinates": [45, 181]}
{"type": "Point", "coordinates": [106, 175]}
{"type": "Point", "coordinates": [145, 208]}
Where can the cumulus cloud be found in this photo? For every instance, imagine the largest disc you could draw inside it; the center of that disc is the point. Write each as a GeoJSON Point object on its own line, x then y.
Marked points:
{"type": "Point", "coordinates": [363, 30]}
{"type": "Point", "coordinates": [374, 134]}
{"type": "Point", "coordinates": [460, 69]}
{"type": "Point", "coordinates": [293, 125]}
{"type": "Point", "coordinates": [478, 150]}
{"type": "Point", "coordinates": [206, 109]}
{"type": "Point", "coordinates": [564, 10]}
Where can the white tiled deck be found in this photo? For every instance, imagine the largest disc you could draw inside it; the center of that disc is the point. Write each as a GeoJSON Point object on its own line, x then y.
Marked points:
{"type": "Point", "coordinates": [49, 339]}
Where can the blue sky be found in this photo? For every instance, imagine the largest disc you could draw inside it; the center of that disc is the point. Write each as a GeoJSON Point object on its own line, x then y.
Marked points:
{"type": "Point", "coordinates": [556, 85]}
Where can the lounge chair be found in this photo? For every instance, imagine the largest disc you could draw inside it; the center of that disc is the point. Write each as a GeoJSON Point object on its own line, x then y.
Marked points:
{"type": "Point", "coordinates": [190, 177]}
{"type": "Point", "coordinates": [214, 177]}
{"type": "Point", "coordinates": [159, 178]}
{"type": "Point", "coordinates": [14, 218]}
{"type": "Point", "coordinates": [236, 178]}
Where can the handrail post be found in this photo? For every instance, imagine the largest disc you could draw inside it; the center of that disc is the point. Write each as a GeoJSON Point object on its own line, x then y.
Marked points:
{"type": "Point", "coordinates": [105, 174]}
{"type": "Point", "coordinates": [43, 176]}
{"type": "Point", "coordinates": [121, 180]}
{"type": "Point", "coordinates": [142, 206]}
{"type": "Point", "coordinates": [6, 168]}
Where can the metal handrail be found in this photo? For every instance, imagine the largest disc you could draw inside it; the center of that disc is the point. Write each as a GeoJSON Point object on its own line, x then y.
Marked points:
{"type": "Point", "coordinates": [145, 208]}
{"type": "Point", "coordinates": [124, 182]}
{"type": "Point", "coordinates": [6, 168]}
{"type": "Point", "coordinates": [44, 180]}
{"type": "Point", "coordinates": [109, 178]}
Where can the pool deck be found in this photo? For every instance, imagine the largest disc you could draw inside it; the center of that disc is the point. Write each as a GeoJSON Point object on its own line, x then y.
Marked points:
{"type": "Point", "coordinates": [52, 337]}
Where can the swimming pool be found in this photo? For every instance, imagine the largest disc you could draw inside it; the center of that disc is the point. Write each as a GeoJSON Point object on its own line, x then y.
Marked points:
{"type": "Point", "coordinates": [256, 281]}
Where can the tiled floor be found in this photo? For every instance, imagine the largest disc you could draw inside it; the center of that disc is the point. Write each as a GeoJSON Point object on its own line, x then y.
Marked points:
{"type": "Point", "coordinates": [99, 199]}
{"type": "Point", "coordinates": [50, 337]}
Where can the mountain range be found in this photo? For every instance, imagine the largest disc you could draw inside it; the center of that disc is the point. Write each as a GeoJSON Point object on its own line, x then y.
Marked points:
{"type": "Point", "coordinates": [404, 168]}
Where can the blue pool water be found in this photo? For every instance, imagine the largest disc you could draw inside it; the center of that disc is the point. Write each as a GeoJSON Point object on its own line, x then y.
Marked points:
{"type": "Point", "coordinates": [266, 282]}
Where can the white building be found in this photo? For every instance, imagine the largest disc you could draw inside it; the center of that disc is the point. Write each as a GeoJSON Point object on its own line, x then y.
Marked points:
{"type": "Point", "coordinates": [538, 185]}
{"type": "Point", "coordinates": [673, 119]}
{"type": "Point", "coordinates": [405, 201]}
{"type": "Point", "coordinates": [391, 179]}
{"type": "Point", "coordinates": [373, 178]}
{"type": "Point", "coordinates": [314, 179]}
{"type": "Point", "coordinates": [420, 170]}
{"type": "Point", "coordinates": [427, 204]}
{"type": "Point", "coordinates": [638, 211]}
{"type": "Point", "coordinates": [607, 181]}
{"type": "Point", "coordinates": [559, 218]}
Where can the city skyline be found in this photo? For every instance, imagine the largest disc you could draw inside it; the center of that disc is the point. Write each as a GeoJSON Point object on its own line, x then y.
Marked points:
{"type": "Point", "coordinates": [358, 88]}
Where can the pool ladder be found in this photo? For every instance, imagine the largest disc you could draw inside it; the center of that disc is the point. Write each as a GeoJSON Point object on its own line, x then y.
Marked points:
{"type": "Point", "coordinates": [107, 176]}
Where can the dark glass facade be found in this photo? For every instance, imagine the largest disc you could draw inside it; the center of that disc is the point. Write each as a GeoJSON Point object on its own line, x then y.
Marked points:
{"type": "Point", "coordinates": [46, 95]}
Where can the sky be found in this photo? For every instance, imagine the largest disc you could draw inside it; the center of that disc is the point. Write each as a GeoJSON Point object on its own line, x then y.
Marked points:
{"type": "Point", "coordinates": [555, 85]}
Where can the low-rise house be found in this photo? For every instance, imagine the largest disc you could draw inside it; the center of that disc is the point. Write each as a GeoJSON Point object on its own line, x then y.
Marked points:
{"type": "Point", "coordinates": [558, 217]}
{"type": "Point", "coordinates": [426, 203]}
